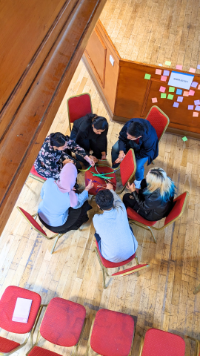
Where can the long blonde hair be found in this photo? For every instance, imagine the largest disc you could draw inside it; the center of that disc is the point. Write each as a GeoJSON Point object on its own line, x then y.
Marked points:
{"type": "Point", "coordinates": [157, 178]}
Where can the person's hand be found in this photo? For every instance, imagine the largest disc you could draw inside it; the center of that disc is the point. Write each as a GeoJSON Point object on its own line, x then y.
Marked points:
{"type": "Point", "coordinates": [109, 186]}
{"type": "Point", "coordinates": [94, 159]}
{"type": "Point", "coordinates": [89, 186]}
{"type": "Point", "coordinates": [89, 160]}
{"type": "Point", "coordinates": [120, 157]}
{"type": "Point", "coordinates": [103, 155]}
{"type": "Point", "coordinates": [67, 160]}
{"type": "Point", "coordinates": [131, 187]}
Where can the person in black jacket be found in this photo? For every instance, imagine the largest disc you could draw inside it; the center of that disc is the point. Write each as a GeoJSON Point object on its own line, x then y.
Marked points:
{"type": "Point", "coordinates": [90, 133]}
{"type": "Point", "coordinates": [154, 200]}
{"type": "Point", "coordinates": [140, 135]}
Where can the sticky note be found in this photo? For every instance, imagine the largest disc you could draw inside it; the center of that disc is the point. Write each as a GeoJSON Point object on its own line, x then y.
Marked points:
{"type": "Point", "coordinates": [158, 71]}
{"type": "Point", "coordinates": [171, 89]}
{"type": "Point", "coordinates": [170, 96]}
{"type": "Point", "coordinates": [194, 84]}
{"type": "Point", "coordinates": [176, 105]}
{"type": "Point", "coordinates": [160, 64]}
{"type": "Point", "coordinates": [198, 87]}
{"type": "Point", "coordinates": [184, 138]}
{"type": "Point", "coordinates": [180, 99]}
{"type": "Point", "coordinates": [198, 66]}
{"type": "Point", "coordinates": [147, 76]}
{"type": "Point", "coordinates": [191, 92]}
{"type": "Point", "coordinates": [154, 100]}
{"type": "Point", "coordinates": [192, 70]}
{"type": "Point", "coordinates": [190, 107]}
{"type": "Point", "coordinates": [197, 108]}
{"type": "Point", "coordinates": [179, 66]}
{"type": "Point", "coordinates": [166, 72]}
{"type": "Point", "coordinates": [163, 78]}
{"type": "Point", "coordinates": [167, 63]}
{"type": "Point", "coordinates": [185, 93]}
{"type": "Point", "coordinates": [162, 89]}
{"type": "Point", "coordinates": [197, 102]}
{"type": "Point", "coordinates": [179, 91]}
{"type": "Point", "coordinates": [163, 96]}
{"type": "Point", "coordinates": [195, 114]}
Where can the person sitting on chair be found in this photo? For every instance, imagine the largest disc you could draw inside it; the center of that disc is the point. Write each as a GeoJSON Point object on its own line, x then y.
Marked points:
{"type": "Point", "coordinates": [154, 200]}
{"type": "Point", "coordinates": [61, 209]}
{"type": "Point", "coordinates": [113, 233]}
{"type": "Point", "coordinates": [54, 154]}
{"type": "Point", "coordinates": [146, 147]}
{"type": "Point", "coordinates": [90, 132]}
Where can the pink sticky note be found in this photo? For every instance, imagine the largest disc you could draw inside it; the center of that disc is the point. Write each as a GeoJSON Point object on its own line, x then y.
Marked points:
{"type": "Point", "coordinates": [192, 70]}
{"type": "Point", "coordinates": [191, 92]}
{"type": "Point", "coordinates": [162, 89]}
{"type": "Point", "coordinates": [179, 66]}
{"type": "Point", "coordinates": [180, 99]}
{"type": "Point", "coordinates": [185, 93]}
{"type": "Point", "coordinates": [198, 87]}
{"type": "Point", "coordinates": [158, 71]}
{"type": "Point", "coordinates": [195, 114]}
{"type": "Point", "coordinates": [190, 107]}
{"type": "Point", "coordinates": [154, 100]}
{"type": "Point", "coordinates": [197, 108]}
{"type": "Point", "coordinates": [163, 78]}
{"type": "Point", "coordinates": [197, 102]}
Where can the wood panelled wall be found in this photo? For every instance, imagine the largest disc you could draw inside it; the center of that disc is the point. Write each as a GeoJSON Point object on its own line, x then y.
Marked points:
{"type": "Point", "coordinates": [41, 44]}
{"type": "Point", "coordinates": [127, 94]}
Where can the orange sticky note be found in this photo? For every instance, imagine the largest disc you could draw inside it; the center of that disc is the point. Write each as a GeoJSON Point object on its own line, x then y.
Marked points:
{"type": "Point", "coordinates": [195, 114]}
{"type": "Point", "coordinates": [186, 93]}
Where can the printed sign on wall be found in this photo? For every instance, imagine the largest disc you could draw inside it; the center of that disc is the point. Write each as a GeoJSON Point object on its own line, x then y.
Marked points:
{"type": "Point", "coordinates": [181, 80]}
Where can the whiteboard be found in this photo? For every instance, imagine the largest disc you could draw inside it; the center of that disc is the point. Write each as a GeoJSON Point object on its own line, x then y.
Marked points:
{"type": "Point", "coordinates": [181, 80]}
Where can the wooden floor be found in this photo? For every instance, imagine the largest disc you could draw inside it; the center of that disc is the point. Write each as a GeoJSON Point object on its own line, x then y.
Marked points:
{"type": "Point", "coordinates": [162, 296]}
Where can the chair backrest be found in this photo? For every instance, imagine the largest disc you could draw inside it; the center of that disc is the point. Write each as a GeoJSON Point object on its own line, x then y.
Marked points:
{"type": "Point", "coordinates": [128, 167]}
{"type": "Point", "coordinates": [32, 221]}
{"type": "Point", "coordinates": [79, 106]}
{"type": "Point", "coordinates": [158, 119]}
{"type": "Point", "coordinates": [178, 208]}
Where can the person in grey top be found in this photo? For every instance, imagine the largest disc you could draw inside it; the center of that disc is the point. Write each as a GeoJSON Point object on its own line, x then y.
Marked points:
{"type": "Point", "coordinates": [113, 233]}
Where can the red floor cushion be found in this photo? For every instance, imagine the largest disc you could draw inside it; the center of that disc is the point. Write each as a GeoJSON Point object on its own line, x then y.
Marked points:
{"type": "Point", "coordinates": [112, 333]}
{"type": "Point", "coordinates": [136, 217]}
{"type": "Point", "coordinates": [39, 351]}
{"type": "Point", "coordinates": [7, 345]}
{"type": "Point", "coordinates": [99, 183]}
{"type": "Point", "coordinates": [162, 343]}
{"type": "Point", "coordinates": [109, 264]}
{"type": "Point", "coordinates": [35, 173]}
{"type": "Point", "coordinates": [63, 322]}
{"type": "Point", "coordinates": [7, 306]}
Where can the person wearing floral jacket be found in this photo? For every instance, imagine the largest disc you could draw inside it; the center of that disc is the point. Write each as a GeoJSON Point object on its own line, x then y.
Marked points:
{"type": "Point", "coordinates": [53, 155]}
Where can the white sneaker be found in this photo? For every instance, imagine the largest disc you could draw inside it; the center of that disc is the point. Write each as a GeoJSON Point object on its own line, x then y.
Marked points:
{"type": "Point", "coordinates": [137, 184]}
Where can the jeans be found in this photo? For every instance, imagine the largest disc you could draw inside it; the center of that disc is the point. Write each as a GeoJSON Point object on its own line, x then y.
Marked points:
{"type": "Point", "coordinates": [98, 239]}
{"type": "Point", "coordinates": [139, 174]}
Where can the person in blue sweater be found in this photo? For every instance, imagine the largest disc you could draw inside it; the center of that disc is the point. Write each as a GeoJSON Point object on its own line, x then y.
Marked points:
{"type": "Point", "coordinates": [141, 136]}
{"type": "Point", "coordinates": [113, 233]}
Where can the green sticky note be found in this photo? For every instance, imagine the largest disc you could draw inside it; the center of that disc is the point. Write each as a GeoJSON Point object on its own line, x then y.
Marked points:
{"type": "Point", "coordinates": [171, 89]}
{"type": "Point", "coordinates": [147, 76]}
{"type": "Point", "coordinates": [184, 138]}
{"type": "Point", "coordinates": [163, 95]}
{"type": "Point", "coordinates": [170, 96]}
{"type": "Point", "coordinates": [168, 63]}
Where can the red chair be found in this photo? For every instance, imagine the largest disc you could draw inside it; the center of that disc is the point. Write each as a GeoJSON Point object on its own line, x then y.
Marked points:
{"type": "Point", "coordinates": [31, 219]}
{"type": "Point", "coordinates": [62, 325]}
{"type": "Point", "coordinates": [175, 213]}
{"type": "Point", "coordinates": [111, 333]}
{"type": "Point", "coordinates": [158, 342]}
{"type": "Point", "coordinates": [78, 106]}
{"type": "Point", "coordinates": [159, 120]}
{"type": "Point", "coordinates": [7, 306]}
{"type": "Point", "coordinates": [127, 171]}
{"type": "Point", "coordinates": [105, 264]}
{"type": "Point", "coordinates": [34, 174]}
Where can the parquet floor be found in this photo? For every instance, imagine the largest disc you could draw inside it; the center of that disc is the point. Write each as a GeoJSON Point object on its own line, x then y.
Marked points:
{"type": "Point", "coordinates": [162, 296]}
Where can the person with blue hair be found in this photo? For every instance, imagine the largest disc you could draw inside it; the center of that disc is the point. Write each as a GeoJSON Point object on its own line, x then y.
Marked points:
{"type": "Point", "coordinates": [154, 200]}
{"type": "Point", "coordinates": [90, 133]}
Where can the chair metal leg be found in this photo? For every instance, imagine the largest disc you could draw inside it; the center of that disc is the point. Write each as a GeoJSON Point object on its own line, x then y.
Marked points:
{"type": "Point", "coordinates": [197, 289]}
{"type": "Point", "coordinates": [55, 243]}
{"type": "Point", "coordinates": [152, 234]}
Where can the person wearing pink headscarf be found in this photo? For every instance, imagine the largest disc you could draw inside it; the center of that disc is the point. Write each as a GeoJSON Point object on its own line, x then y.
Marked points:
{"type": "Point", "coordinates": [61, 208]}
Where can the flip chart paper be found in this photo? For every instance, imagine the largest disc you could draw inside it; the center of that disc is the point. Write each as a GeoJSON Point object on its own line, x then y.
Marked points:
{"type": "Point", "coordinates": [180, 99]}
{"type": "Point", "coordinates": [162, 89]}
{"type": "Point", "coordinates": [147, 76]}
{"type": "Point", "coordinates": [179, 91]}
{"type": "Point", "coordinates": [171, 89]}
{"type": "Point", "coordinates": [176, 105]}
{"type": "Point", "coordinates": [180, 80]}
{"type": "Point", "coordinates": [166, 72]}
{"type": "Point", "coordinates": [158, 71]}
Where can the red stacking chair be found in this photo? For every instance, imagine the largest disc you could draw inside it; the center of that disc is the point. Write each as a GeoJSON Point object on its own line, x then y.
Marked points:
{"type": "Point", "coordinates": [31, 219]}
{"type": "Point", "coordinates": [175, 213]}
{"type": "Point", "coordinates": [105, 264]}
{"type": "Point", "coordinates": [62, 325]}
{"type": "Point", "coordinates": [127, 171]}
{"type": "Point", "coordinates": [158, 342]}
{"type": "Point", "coordinates": [159, 120]}
{"type": "Point", "coordinates": [111, 333]}
{"type": "Point", "coordinates": [34, 174]}
{"type": "Point", "coordinates": [78, 106]}
{"type": "Point", "coordinates": [7, 306]}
